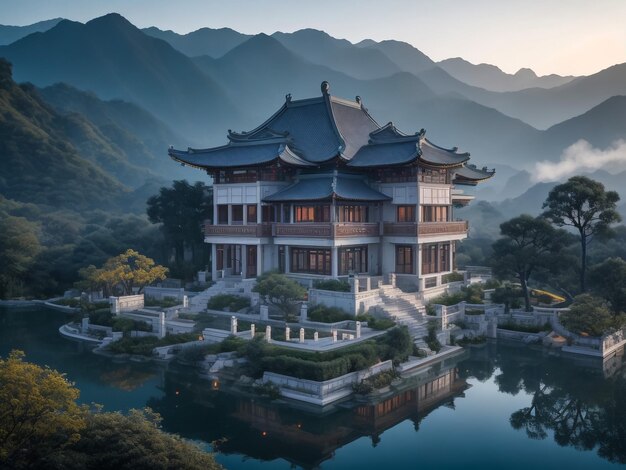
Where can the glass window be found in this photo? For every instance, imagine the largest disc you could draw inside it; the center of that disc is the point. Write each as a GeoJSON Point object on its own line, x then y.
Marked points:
{"type": "Point", "coordinates": [405, 213]}
{"type": "Point", "coordinates": [251, 215]}
{"type": "Point", "coordinates": [435, 258]}
{"type": "Point", "coordinates": [222, 214]}
{"type": "Point", "coordinates": [310, 261]}
{"type": "Point", "coordinates": [352, 213]}
{"type": "Point", "coordinates": [404, 259]}
{"type": "Point", "coordinates": [353, 259]}
{"type": "Point", "coordinates": [237, 213]}
{"type": "Point", "coordinates": [312, 213]}
{"type": "Point", "coordinates": [267, 213]}
{"type": "Point", "coordinates": [435, 213]}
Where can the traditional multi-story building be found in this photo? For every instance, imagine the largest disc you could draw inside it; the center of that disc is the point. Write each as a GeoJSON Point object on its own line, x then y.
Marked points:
{"type": "Point", "coordinates": [321, 190]}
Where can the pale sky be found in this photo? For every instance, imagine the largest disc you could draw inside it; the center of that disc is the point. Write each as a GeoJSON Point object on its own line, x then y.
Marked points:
{"type": "Point", "coordinates": [577, 37]}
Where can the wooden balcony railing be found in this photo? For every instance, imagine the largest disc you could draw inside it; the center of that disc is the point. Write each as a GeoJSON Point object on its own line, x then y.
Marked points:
{"type": "Point", "coordinates": [403, 229]}
{"type": "Point", "coordinates": [313, 230]}
{"type": "Point", "coordinates": [443, 228]}
{"type": "Point", "coordinates": [328, 230]}
{"type": "Point", "coordinates": [252, 230]}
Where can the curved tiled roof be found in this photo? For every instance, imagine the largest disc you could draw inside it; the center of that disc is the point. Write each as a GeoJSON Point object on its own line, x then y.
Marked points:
{"type": "Point", "coordinates": [471, 175]}
{"type": "Point", "coordinates": [325, 187]}
{"type": "Point", "coordinates": [315, 132]}
{"type": "Point", "coordinates": [235, 155]}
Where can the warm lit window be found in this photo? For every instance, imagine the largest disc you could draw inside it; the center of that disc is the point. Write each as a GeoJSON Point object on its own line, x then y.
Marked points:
{"type": "Point", "coordinates": [352, 213]}
{"type": "Point", "coordinates": [435, 258]}
{"type": "Point", "coordinates": [405, 213]}
{"type": "Point", "coordinates": [251, 214]}
{"type": "Point", "coordinates": [435, 213]}
{"type": "Point", "coordinates": [312, 213]}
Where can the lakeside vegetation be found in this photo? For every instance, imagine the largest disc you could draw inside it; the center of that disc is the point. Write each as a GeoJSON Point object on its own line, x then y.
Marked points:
{"type": "Point", "coordinates": [43, 426]}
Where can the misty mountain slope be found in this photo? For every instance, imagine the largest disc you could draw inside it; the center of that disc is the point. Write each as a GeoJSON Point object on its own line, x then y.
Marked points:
{"type": "Point", "coordinates": [9, 34]}
{"type": "Point", "coordinates": [601, 126]}
{"type": "Point", "coordinates": [204, 41]}
{"type": "Point", "coordinates": [492, 78]}
{"type": "Point", "coordinates": [142, 139]}
{"type": "Point", "coordinates": [113, 58]}
{"type": "Point", "coordinates": [544, 108]}
{"type": "Point", "coordinates": [339, 54]}
{"type": "Point", "coordinates": [39, 163]}
{"type": "Point", "coordinates": [404, 55]}
{"type": "Point", "coordinates": [262, 70]}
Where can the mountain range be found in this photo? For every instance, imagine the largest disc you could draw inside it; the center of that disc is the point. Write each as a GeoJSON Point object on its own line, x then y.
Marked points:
{"type": "Point", "coordinates": [123, 95]}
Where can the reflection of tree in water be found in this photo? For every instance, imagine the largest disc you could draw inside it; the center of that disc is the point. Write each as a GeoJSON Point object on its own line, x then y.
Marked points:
{"type": "Point", "coordinates": [126, 378]}
{"type": "Point", "coordinates": [576, 404]}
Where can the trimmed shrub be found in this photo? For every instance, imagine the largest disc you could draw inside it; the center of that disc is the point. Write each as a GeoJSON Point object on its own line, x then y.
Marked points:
{"type": "Point", "coordinates": [324, 314]}
{"type": "Point", "coordinates": [376, 323]}
{"type": "Point", "coordinates": [333, 285]}
{"type": "Point", "coordinates": [228, 302]}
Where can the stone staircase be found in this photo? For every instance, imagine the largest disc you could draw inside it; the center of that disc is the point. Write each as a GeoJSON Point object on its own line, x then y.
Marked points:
{"type": "Point", "coordinates": [405, 308]}
{"type": "Point", "coordinates": [198, 302]}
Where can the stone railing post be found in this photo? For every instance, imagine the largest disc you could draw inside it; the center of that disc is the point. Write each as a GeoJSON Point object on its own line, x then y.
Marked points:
{"type": "Point", "coordinates": [264, 312]}
{"type": "Point", "coordinates": [316, 336]}
{"type": "Point", "coordinates": [161, 324]}
{"type": "Point", "coordinates": [334, 336]}
{"type": "Point", "coordinates": [268, 334]}
{"type": "Point", "coordinates": [84, 325]}
{"type": "Point", "coordinates": [233, 325]}
{"type": "Point", "coordinates": [358, 329]}
{"type": "Point", "coordinates": [287, 333]}
{"type": "Point", "coordinates": [368, 283]}
{"type": "Point", "coordinates": [304, 310]}
{"type": "Point", "coordinates": [392, 279]}
{"type": "Point", "coordinates": [302, 335]}
{"type": "Point", "coordinates": [252, 330]}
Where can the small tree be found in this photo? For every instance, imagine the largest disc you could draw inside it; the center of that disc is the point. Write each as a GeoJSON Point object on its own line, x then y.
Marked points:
{"type": "Point", "coordinates": [584, 204]}
{"type": "Point", "coordinates": [280, 291]}
{"type": "Point", "coordinates": [528, 244]}
{"type": "Point", "coordinates": [38, 412]}
{"type": "Point", "coordinates": [127, 270]}
{"type": "Point", "coordinates": [589, 315]}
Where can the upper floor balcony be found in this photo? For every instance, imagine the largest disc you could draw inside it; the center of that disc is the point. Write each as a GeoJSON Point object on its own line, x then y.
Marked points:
{"type": "Point", "coordinates": [412, 229]}
{"type": "Point", "coordinates": [303, 230]}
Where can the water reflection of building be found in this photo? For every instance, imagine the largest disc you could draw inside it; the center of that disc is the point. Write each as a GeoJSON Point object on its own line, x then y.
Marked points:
{"type": "Point", "coordinates": [307, 440]}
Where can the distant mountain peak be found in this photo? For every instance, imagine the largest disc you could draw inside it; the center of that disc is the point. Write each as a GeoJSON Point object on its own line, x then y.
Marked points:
{"type": "Point", "coordinates": [526, 73]}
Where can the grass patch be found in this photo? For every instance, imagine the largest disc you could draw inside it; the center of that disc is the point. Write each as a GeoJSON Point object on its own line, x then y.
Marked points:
{"type": "Point", "coordinates": [376, 323]}
{"type": "Point", "coordinates": [167, 302]}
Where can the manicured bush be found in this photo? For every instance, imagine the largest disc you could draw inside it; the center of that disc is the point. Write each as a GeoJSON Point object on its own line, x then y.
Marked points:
{"type": "Point", "coordinates": [228, 302]}
{"type": "Point", "coordinates": [431, 340]}
{"type": "Point", "coordinates": [333, 285]}
{"type": "Point", "coordinates": [473, 311]}
{"type": "Point", "coordinates": [376, 323]}
{"type": "Point", "coordinates": [128, 324]}
{"type": "Point", "coordinates": [144, 345]}
{"type": "Point", "coordinates": [452, 277]}
{"type": "Point", "coordinates": [589, 315]}
{"type": "Point", "coordinates": [102, 316]}
{"type": "Point", "coordinates": [324, 314]}
{"type": "Point", "coordinates": [164, 303]}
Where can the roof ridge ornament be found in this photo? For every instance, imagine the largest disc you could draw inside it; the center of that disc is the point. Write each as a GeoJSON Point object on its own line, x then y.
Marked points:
{"type": "Point", "coordinates": [288, 97]}
{"type": "Point", "coordinates": [359, 100]}
{"type": "Point", "coordinates": [325, 86]}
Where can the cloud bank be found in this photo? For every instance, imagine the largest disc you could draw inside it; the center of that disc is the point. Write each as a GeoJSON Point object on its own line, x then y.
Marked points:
{"type": "Point", "coordinates": [582, 157]}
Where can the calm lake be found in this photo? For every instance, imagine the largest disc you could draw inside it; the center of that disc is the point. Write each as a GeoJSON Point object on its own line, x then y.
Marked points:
{"type": "Point", "coordinates": [497, 406]}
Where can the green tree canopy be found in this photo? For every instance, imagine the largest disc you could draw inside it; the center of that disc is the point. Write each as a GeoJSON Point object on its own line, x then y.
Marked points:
{"type": "Point", "coordinates": [527, 245]}
{"type": "Point", "coordinates": [588, 314]}
{"type": "Point", "coordinates": [584, 204]}
{"type": "Point", "coordinates": [182, 211]}
{"type": "Point", "coordinates": [280, 291]}
{"type": "Point", "coordinates": [19, 245]}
